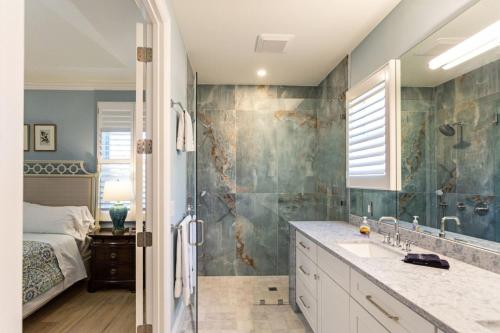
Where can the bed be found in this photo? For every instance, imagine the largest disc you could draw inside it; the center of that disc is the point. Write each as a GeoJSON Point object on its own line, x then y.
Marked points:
{"type": "Point", "coordinates": [56, 251]}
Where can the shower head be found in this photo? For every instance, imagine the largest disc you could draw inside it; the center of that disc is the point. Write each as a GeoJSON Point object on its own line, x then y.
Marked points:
{"type": "Point", "coordinates": [447, 129]}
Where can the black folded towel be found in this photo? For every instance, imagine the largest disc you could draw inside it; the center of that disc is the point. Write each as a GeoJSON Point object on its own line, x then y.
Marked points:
{"type": "Point", "coordinates": [430, 260]}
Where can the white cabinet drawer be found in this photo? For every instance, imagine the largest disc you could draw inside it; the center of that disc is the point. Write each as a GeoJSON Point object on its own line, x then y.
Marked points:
{"type": "Point", "coordinates": [334, 267]}
{"type": "Point", "coordinates": [306, 245]}
{"type": "Point", "coordinates": [307, 304]}
{"type": "Point", "coordinates": [307, 272]}
{"type": "Point", "coordinates": [391, 313]}
{"type": "Point", "coordinates": [361, 321]}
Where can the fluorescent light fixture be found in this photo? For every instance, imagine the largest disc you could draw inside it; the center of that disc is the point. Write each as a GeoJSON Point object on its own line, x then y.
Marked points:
{"type": "Point", "coordinates": [473, 46]}
{"type": "Point", "coordinates": [261, 72]}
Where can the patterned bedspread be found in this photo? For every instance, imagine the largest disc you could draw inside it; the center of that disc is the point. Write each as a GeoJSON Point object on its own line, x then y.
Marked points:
{"type": "Point", "coordinates": [41, 270]}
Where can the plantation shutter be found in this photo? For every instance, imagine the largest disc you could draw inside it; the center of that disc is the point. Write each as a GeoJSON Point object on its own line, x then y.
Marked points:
{"type": "Point", "coordinates": [115, 124]}
{"type": "Point", "coordinates": [373, 131]}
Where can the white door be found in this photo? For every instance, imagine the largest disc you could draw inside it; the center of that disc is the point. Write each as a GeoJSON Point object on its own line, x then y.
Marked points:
{"type": "Point", "coordinates": [143, 179]}
{"type": "Point", "coordinates": [362, 322]}
{"type": "Point", "coordinates": [333, 301]}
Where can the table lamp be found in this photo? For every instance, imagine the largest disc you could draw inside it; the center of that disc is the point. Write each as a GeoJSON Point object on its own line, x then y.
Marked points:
{"type": "Point", "coordinates": [117, 191]}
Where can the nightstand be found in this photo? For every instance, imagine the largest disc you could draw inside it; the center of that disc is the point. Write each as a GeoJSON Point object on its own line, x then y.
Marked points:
{"type": "Point", "coordinates": [113, 260]}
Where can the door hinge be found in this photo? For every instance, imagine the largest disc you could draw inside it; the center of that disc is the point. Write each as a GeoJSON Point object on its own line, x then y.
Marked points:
{"type": "Point", "coordinates": [144, 54]}
{"type": "Point", "coordinates": [145, 329]}
{"type": "Point", "coordinates": [144, 239]}
{"type": "Point", "coordinates": [144, 146]}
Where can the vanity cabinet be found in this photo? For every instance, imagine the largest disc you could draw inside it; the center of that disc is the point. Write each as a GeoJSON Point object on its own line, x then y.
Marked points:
{"type": "Point", "coordinates": [335, 298]}
{"type": "Point", "coordinates": [361, 321]}
{"type": "Point", "coordinates": [391, 313]}
{"type": "Point", "coordinates": [333, 306]}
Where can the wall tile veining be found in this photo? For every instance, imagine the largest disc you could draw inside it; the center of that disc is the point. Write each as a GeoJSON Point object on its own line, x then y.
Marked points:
{"type": "Point", "coordinates": [465, 171]}
{"type": "Point", "coordinates": [263, 159]}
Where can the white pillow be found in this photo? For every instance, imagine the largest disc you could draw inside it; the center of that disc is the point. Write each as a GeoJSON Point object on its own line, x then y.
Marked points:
{"type": "Point", "coordinates": [67, 220]}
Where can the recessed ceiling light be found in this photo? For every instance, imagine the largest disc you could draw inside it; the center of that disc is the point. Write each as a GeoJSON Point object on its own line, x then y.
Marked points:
{"type": "Point", "coordinates": [261, 72]}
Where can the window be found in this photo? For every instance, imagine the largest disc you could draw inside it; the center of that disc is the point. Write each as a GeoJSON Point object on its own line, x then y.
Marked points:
{"type": "Point", "coordinates": [115, 124]}
{"type": "Point", "coordinates": [373, 131]}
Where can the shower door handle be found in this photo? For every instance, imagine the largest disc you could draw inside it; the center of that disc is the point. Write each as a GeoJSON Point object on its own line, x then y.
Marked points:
{"type": "Point", "coordinates": [202, 224]}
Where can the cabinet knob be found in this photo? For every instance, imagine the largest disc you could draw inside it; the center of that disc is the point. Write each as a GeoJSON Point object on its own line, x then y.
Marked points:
{"type": "Point", "coordinates": [112, 271]}
{"type": "Point", "coordinates": [113, 255]}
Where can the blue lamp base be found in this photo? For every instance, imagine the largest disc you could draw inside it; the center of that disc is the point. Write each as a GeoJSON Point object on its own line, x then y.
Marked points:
{"type": "Point", "coordinates": [118, 214]}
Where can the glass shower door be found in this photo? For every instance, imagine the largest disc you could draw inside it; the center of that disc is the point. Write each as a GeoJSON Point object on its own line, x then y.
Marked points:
{"type": "Point", "coordinates": [194, 225]}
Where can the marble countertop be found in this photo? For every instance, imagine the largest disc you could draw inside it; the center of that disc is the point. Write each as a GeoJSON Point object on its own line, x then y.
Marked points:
{"type": "Point", "coordinates": [454, 300]}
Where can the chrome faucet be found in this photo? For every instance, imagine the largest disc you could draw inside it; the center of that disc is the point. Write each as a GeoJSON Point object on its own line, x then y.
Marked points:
{"type": "Point", "coordinates": [397, 236]}
{"type": "Point", "coordinates": [442, 232]}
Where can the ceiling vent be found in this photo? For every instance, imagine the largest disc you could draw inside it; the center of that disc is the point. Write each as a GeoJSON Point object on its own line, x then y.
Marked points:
{"type": "Point", "coordinates": [439, 46]}
{"type": "Point", "coordinates": [272, 43]}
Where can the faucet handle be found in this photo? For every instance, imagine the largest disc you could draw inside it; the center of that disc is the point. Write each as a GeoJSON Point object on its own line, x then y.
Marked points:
{"type": "Point", "coordinates": [387, 237]}
{"type": "Point", "coordinates": [408, 244]}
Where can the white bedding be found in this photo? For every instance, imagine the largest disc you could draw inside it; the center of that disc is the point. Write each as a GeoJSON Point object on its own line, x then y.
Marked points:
{"type": "Point", "coordinates": [67, 254]}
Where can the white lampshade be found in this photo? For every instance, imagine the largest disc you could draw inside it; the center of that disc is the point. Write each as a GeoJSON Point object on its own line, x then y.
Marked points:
{"type": "Point", "coordinates": [117, 190]}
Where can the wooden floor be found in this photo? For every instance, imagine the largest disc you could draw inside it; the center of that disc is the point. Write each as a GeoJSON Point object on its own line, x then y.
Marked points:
{"type": "Point", "coordinates": [76, 310]}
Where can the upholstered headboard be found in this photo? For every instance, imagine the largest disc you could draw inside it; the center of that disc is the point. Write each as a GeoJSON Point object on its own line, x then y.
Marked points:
{"type": "Point", "coordinates": [59, 183]}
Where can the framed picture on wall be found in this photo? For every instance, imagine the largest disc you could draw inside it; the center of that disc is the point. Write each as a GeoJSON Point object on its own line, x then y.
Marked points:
{"type": "Point", "coordinates": [26, 137]}
{"type": "Point", "coordinates": [45, 137]}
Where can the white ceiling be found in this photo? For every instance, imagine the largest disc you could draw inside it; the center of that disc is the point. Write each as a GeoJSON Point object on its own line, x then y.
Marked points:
{"type": "Point", "coordinates": [78, 44]}
{"type": "Point", "coordinates": [415, 71]}
{"type": "Point", "coordinates": [220, 37]}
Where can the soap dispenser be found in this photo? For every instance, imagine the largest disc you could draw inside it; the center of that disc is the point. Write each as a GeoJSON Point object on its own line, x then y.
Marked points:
{"type": "Point", "coordinates": [364, 228]}
{"type": "Point", "coordinates": [415, 225]}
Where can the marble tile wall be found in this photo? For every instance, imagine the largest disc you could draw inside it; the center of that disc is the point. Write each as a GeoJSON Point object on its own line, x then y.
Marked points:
{"type": "Point", "coordinates": [330, 162]}
{"type": "Point", "coordinates": [255, 171]}
{"type": "Point", "coordinates": [264, 157]}
{"type": "Point", "coordinates": [467, 171]}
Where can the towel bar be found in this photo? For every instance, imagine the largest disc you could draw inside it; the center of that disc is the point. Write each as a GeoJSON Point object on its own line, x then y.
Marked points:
{"type": "Point", "coordinates": [173, 104]}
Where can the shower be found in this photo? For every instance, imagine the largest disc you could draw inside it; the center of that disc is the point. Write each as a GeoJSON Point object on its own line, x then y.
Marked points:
{"type": "Point", "coordinates": [449, 130]}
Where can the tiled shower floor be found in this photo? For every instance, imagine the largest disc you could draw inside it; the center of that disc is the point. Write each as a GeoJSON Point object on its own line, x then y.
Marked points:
{"type": "Point", "coordinates": [227, 304]}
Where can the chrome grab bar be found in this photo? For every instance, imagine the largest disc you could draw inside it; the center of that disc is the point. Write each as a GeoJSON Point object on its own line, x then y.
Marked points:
{"type": "Point", "coordinates": [304, 303]}
{"type": "Point", "coordinates": [384, 311]}
{"type": "Point", "coordinates": [304, 271]}
{"type": "Point", "coordinates": [304, 246]}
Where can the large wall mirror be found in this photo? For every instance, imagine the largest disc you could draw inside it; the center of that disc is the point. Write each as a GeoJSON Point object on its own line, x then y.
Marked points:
{"type": "Point", "coordinates": [450, 123]}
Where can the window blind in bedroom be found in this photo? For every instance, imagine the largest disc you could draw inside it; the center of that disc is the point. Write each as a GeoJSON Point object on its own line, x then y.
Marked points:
{"type": "Point", "coordinates": [115, 126]}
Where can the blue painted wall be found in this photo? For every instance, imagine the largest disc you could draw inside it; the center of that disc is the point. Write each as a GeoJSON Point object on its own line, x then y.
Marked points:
{"type": "Point", "coordinates": [75, 114]}
{"type": "Point", "coordinates": [407, 25]}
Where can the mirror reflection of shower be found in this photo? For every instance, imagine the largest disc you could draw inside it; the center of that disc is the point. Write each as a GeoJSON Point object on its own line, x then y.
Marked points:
{"type": "Point", "coordinates": [442, 202]}
{"type": "Point", "coordinates": [449, 130]}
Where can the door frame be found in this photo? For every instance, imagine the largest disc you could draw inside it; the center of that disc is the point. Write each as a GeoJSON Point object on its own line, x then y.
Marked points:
{"type": "Point", "coordinates": [159, 306]}
{"type": "Point", "coordinates": [12, 85]}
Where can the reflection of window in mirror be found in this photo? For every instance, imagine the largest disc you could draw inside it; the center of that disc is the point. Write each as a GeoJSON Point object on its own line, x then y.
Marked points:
{"type": "Point", "coordinates": [450, 100]}
{"type": "Point", "coordinates": [373, 136]}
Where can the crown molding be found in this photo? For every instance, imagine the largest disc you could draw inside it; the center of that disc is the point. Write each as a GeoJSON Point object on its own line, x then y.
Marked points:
{"type": "Point", "coordinates": [79, 86]}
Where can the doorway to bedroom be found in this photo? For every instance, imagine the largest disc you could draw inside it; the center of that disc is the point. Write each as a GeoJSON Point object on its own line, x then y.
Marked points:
{"type": "Point", "coordinates": [87, 187]}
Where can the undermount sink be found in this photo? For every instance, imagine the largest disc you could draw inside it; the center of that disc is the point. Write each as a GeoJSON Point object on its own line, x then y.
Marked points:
{"type": "Point", "coordinates": [491, 325]}
{"type": "Point", "coordinates": [370, 250]}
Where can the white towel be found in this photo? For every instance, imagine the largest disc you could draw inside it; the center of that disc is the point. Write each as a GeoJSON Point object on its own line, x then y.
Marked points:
{"type": "Point", "coordinates": [188, 133]}
{"type": "Point", "coordinates": [186, 262]}
{"type": "Point", "coordinates": [183, 275]}
{"type": "Point", "coordinates": [180, 133]}
{"type": "Point", "coordinates": [178, 266]}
